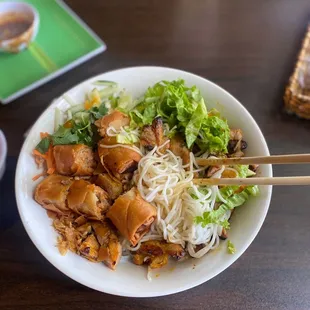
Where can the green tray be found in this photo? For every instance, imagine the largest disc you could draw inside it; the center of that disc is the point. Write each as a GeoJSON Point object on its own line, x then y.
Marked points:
{"type": "Point", "coordinates": [63, 42]}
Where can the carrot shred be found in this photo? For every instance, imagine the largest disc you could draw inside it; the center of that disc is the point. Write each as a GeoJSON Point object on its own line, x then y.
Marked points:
{"type": "Point", "coordinates": [38, 176]}
{"type": "Point", "coordinates": [87, 105]}
{"type": "Point", "coordinates": [68, 124]}
{"type": "Point", "coordinates": [240, 189]}
{"type": "Point", "coordinates": [44, 135]}
{"type": "Point", "coordinates": [50, 170]}
{"type": "Point", "coordinates": [50, 160]}
{"type": "Point", "coordinates": [37, 153]}
{"type": "Point", "coordinates": [48, 157]}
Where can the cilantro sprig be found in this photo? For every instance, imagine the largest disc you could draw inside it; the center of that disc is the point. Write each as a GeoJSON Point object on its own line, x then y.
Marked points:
{"type": "Point", "coordinates": [79, 130]}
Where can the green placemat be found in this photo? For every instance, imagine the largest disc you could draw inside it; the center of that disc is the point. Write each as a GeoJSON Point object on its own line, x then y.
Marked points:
{"type": "Point", "coordinates": [63, 42]}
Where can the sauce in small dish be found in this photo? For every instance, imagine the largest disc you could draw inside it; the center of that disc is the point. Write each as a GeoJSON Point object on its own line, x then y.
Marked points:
{"type": "Point", "coordinates": [19, 23]}
{"type": "Point", "coordinates": [13, 24]}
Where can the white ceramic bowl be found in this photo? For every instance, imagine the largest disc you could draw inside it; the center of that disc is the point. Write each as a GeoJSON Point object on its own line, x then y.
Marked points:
{"type": "Point", "coordinates": [128, 279]}
{"type": "Point", "coordinates": [3, 153]}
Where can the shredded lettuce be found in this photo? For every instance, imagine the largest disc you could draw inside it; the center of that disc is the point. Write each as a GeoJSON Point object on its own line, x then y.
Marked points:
{"type": "Point", "coordinates": [214, 135]}
{"type": "Point", "coordinates": [232, 201]}
{"type": "Point", "coordinates": [227, 191]}
{"type": "Point", "coordinates": [108, 91]}
{"type": "Point", "coordinates": [194, 125]}
{"type": "Point", "coordinates": [125, 101]}
{"type": "Point", "coordinates": [127, 138]}
{"type": "Point", "coordinates": [230, 247]}
{"type": "Point", "coordinates": [181, 107]}
{"type": "Point", "coordinates": [105, 83]}
{"type": "Point", "coordinates": [244, 171]}
{"type": "Point", "coordinates": [211, 218]}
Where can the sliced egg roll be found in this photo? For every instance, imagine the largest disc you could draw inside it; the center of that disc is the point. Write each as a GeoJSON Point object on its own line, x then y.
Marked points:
{"type": "Point", "coordinates": [74, 159]}
{"type": "Point", "coordinates": [52, 192]}
{"type": "Point", "coordinates": [118, 159]}
{"type": "Point", "coordinates": [132, 215]}
{"type": "Point", "coordinates": [112, 186]}
{"type": "Point", "coordinates": [115, 119]}
{"type": "Point", "coordinates": [88, 199]}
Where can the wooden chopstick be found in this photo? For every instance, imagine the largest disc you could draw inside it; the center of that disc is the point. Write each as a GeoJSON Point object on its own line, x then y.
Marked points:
{"type": "Point", "coordinates": [274, 159]}
{"type": "Point", "coordinates": [305, 180]}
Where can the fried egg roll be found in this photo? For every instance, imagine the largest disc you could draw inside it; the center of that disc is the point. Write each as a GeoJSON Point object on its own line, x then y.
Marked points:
{"type": "Point", "coordinates": [74, 159]}
{"type": "Point", "coordinates": [132, 215]}
{"type": "Point", "coordinates": [88, 199]}
{"type": "Point", "coordinates": [115, 119]}
{"type": "Point", "coordinates": [118, 159]}
{"type": "Point", "coordinates": [52, 192]}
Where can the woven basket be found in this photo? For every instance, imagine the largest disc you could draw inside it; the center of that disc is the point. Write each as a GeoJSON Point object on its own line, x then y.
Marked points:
{"type": "Point", "coordinates": [297, 93]}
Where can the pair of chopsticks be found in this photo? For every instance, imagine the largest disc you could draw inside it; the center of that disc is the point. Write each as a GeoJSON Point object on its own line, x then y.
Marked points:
{"type": "Point", "coordinates": [256, 160]}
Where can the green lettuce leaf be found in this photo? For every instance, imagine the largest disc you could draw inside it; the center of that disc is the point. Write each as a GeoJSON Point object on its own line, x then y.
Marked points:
{"type": "Point", "coordinates": [230, 247]}
{"type": "Point", "coordinates": [244, 171]}
{"type": "Point", "coordinates": [128, 138]}
{"type": "Point", "coordinates": [210, 218]}
{"type": "Point", "coordinates": [183, 107]}
{"type": "Point", "coordinates": [227, 191]}
{"type": "Point", "coordinates": [194, 125]}
{"type": "Point", "coordinates": [233, 201]}
{"type": "Point", "coordinates": [214, 135]}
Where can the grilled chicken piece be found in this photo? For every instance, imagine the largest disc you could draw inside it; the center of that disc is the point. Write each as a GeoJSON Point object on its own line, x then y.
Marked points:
{"type": "Point", "coordinates": [236, 145]}
{"type": "Point", "coordinates": [74, 159]}
{"type": "Point", "coordinates": [235, 134]}
{"type": "Point", "coordinates": [211, 170]}
{"type": "Point", "coordinates": [223, 235]}
{"type": "Point", "coordinates": [147, 138]}
{"type": "Point", "coordinates": [112, 186]}
{"type": "Point", "coordinates": [110, 250]}
{"type": "Point", "coordinates": [52, 192]}
{"type": "Point", "coordinates": [159, 261]}
{"type": "Point", "coordinates": [153, 135]}
{"type": "Point", "coordinates": [254, 167]}
{"type": "Point", "coordinates": [89, 248]}
{"type": "Point", "coordinates": [118, 160]}
{"type": "Point", "coordinates": [178, 148]}
{"type": "Point", "coordinates": [88, 199]}
{"type": "Point", "coordinates": [156, 253]}
{"type": "Point", "coordinates": [115, 119]}
{"type": "Point", "coordinates": [174, 250]}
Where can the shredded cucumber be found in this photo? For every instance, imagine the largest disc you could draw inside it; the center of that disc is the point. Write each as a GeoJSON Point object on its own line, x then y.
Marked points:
{"type": "Point", "coordinates": [105, 83]}
{"type": "Point", "coordinates": [69, 100]}
{"type": "Point", "coordinates": [76, 108]}
{"type": "Point", "coordinates": [69, 115]}
{"type": "Point", "coordinates": [58, 118]}
{"type": "Point", "coordinates": [108, 91]}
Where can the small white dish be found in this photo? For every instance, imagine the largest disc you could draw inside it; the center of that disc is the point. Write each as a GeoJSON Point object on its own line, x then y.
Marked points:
{"type": "Point", "coordinates": [19, 18]}
{"type": "Point", "coordinates": [3, 153]}
{"type": "Point", "coordinates": [129, 279]}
